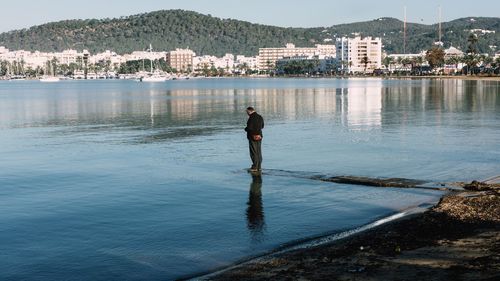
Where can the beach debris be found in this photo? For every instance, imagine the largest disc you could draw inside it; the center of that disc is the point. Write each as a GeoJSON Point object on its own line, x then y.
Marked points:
{"type": "Point", "coordinates": [481, 186]}
{"type": "Point", "coordinates": [471, 209]}
{"type": "Point", "coordinates": [397, 249]}
{"type": "Point", "coordinates": [357, 270]}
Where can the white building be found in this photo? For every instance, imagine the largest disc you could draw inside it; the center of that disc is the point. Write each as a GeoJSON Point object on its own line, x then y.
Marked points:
{"type": "Point", "coordinates": [397, 57]}
{"type": "Point", "coordinates": [250, 62]}
{"type": "Point", "coordinates": [144, 55]}
{"type": "Point", "coordinates": [453, 52]}
{"type": "Point", "coordinates": [206, 61]}
{"type": "Point", "coordinates": [228, 62]}
{"type": "Point", "coordinates": [269, 56]}
{"type": "Point", "coordinates": [351, 52]}
{"type": "Point", "coordinates": [319, 63]}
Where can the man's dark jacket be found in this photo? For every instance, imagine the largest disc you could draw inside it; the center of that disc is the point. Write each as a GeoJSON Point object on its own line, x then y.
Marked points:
{"type": "Point", "coordinates": [255, 124]}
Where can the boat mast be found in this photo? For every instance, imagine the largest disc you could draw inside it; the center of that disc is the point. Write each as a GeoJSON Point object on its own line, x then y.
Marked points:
{"type": "Point", "coordinates": [440, 33]}
{"type": "Point", "coordinates": [151, 57]}
{"type": "Point", "coordinates": [404, 32]}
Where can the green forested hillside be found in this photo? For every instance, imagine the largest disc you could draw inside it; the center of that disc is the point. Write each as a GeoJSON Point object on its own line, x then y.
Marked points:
{"type": "Point", "coordinates": [421, 37]}
{"type": "Point", "coordinates": [205, 34]}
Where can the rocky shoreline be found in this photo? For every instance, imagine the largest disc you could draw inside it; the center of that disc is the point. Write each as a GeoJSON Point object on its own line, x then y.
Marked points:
{"type": "Point", "coordinates": [458, 239]}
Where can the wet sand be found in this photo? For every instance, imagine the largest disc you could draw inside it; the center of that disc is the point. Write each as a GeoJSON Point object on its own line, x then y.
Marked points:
{"type": "Point", "coordinates": [458, 239]}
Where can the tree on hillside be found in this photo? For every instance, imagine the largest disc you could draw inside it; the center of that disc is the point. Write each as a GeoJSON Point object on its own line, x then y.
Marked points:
{"type": "Point", "coordinates": [170, 29]}
{"type": "Point", "coordinates": [435, 57]}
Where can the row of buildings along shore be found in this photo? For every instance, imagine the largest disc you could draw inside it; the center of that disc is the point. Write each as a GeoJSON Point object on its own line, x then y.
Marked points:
{"type": "Point", "coordinates": [347, 55]}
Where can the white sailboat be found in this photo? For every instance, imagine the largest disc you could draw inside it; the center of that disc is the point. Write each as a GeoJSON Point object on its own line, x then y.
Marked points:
{"type": "Point", "coordinates": [49, 79]}
{"type": "Point", "coordinates": [153, 76]}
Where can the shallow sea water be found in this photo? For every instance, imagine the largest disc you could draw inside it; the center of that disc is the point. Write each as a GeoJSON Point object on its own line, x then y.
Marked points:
{"type": "Point", "coordinates": [119, 180]}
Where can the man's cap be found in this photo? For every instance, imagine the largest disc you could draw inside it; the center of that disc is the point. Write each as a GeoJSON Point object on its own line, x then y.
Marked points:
{"type": "Point", "coordinates": [250, 108]}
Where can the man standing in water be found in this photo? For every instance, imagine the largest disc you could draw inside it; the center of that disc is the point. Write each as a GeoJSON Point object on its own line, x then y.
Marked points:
{"type": "Point", "coordinates": [255, 124]}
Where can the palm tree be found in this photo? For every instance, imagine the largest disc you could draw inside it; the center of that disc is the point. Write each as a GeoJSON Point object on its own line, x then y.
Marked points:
{"type": "Point", "coordinates": [30, 72]}
{"type": "Point", "coordinates": [388, 61]}
{"type": "Point", "coordinates": [107, 66]}
{"type": "Point", "coordinates": [205, 70]}
{"type": "Point", "coordinates": [343, 65]}
{"type": "Point", "coordinates": [315, 64]}
{"type": "Point", "coordinates": [21, 67]}
{"type": "Point", "coordinates": [3, 68]}
{"type": "Point", "coordinates": [399, 62]}
{"type": "Point", "coordinates": [487, 60]}
{"type": "Point", "coordinates": [419, 60]}
{"type": "Point", "coordinates": [53, 64]}
{"type": "Point", "coordinates": [472, 48]}
{"type": "Point", "coordinates": [85, 64]}
{"type": "Point", "coordinates": [453, 61]}
{"type": "Point", "coordinates": [494, 64]}
{"type": "Point", "coordinates": [268, 64]}
{"type": "Point", "coordinates": [365, 61]}
{"type": "Point", "coordinates": [471, 58]}
{"type": "Point", "coordinates": [79, 62]}
{"type": "Point", "coordinates": [405, 62]}
{"type": "Point", "coordinates": [14, 68]}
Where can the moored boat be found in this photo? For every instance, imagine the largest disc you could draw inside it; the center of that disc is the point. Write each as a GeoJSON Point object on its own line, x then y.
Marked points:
{"type": "Point", "coordinates": [49, 79]}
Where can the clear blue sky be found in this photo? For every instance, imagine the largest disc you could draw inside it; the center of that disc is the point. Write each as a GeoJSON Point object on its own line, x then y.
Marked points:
{"type": "Point", "coordinates": [297, 13]}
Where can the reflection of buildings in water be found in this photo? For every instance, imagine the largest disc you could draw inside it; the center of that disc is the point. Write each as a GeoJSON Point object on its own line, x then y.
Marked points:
{"type": "Point", "coordinates": [183, 104]}
{"type": "Point", "coordinates": [357, 104]}
{"type": "Point", "coordinates": [364, 105]}
{"type": "Point", "coordinates": [435, 97]}
{"type": "Point", "coordinates": [155, 107]}
{"type": "Point", "coordinates": [59, 108]}
{"type": "Point", "coordinates": [294, 104]}
{"type": "Point", "coordinates": [255, 209]}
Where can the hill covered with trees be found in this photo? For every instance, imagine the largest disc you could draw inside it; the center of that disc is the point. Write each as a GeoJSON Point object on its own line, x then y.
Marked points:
{"type": "Point", "coordinates": [170, 29]}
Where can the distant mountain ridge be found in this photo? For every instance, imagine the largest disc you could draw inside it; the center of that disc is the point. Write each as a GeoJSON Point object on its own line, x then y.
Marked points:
{"type": "Point", "coordinates": [207, 35]}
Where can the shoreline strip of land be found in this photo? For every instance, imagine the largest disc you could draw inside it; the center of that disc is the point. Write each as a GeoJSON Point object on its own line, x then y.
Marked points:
{"type": "Point", "coordinates": [458, 239]}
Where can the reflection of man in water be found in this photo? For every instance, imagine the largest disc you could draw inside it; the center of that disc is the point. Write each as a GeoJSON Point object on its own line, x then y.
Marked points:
{"type": "Point", "coordinates": [255, 211]}
{"type": "Point", "coordinates": [255, 124]}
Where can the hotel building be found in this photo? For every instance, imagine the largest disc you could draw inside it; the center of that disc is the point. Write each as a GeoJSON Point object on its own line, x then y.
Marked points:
{"type": "Point", "coordinates": [269, 56]}
{"type": "Point", "coordinates": [181, 59]}
{"type": "Point", "coordinates": [352, 51]}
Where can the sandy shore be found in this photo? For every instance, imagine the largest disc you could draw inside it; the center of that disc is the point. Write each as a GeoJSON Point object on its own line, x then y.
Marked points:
{"type": "Point", "coordinates": [459, 239]}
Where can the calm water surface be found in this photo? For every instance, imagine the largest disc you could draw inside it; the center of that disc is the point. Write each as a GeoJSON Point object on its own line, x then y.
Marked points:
{"type": "Point", "coordinates": [118, 180]}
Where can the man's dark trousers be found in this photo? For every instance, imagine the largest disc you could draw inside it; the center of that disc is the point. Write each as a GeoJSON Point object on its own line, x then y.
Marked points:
{"type": "Point", "coordinates": [255, 153]}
